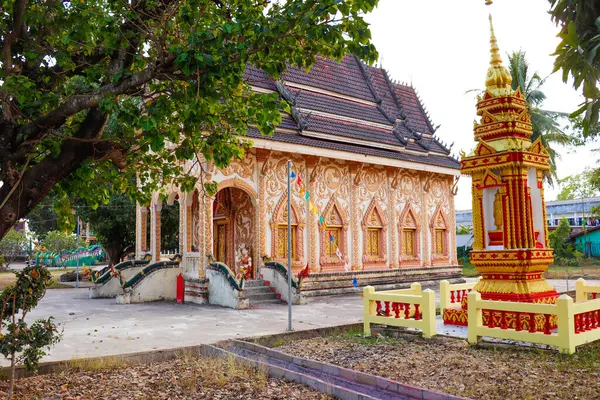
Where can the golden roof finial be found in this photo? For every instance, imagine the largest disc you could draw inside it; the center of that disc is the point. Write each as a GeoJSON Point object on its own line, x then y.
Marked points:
{"type": "Point", "coordinates": [498, 78]}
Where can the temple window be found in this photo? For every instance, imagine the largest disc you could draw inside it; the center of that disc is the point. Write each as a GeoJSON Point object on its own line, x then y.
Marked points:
{"type": "Point", "coordinates": [439, 236]}
{"type": "Point", "coordinates": [282, 242]}
{"type": "Point", "coordinates": [408, 241]}
{"type": "Point", "coordinates": [439, 242]}
{"type": "Point", "coordinates": [279, 234]}
{"type": "Point", "coordinates": [409, 234]}
{"type": "Point", "coordinates": [333, 236]}
{"type": "Point", "coordinates": [374, 241]}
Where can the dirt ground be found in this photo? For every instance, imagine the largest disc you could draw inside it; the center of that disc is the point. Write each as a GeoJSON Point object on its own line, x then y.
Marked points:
{"type": "Point", "coordinates": [184, 378]}
{"type": "Point", "coordinates": [452, 366]}
{"type": "Point", "coordinates": [8, 278]}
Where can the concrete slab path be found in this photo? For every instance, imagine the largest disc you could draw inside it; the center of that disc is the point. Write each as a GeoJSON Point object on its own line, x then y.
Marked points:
{"type": "Point", "coordinates": [99, 327]}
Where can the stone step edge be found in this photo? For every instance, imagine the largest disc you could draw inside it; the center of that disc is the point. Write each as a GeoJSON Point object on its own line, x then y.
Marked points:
{"type": "Point", "coordinates": [399, 388]}
{"type": "Point", "coordinates": [282, 373]}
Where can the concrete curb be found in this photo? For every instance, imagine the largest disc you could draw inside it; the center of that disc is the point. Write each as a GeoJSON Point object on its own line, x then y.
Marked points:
{"type": "Point", "coordinates": [409, 391]}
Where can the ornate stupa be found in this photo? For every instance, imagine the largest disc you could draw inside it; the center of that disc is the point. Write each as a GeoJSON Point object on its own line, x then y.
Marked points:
{"type": "Point", "coordinates": [510, 247]}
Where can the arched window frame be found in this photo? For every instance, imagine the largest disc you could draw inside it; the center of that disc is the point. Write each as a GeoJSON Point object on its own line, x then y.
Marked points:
{"type": "Point", "coordinates": [327, 261]}
{"type": "Point", "coordinates": [279, 220]}
{"type": "Point", "coordinates": [439, 222]}
{"type": "Point", "coordinates": [409, 221]}
{"type": "Point", "coordinates": [367, 225]}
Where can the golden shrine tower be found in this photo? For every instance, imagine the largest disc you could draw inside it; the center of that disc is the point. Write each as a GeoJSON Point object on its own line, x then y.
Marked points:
{"type": "Point", "coordinates": [510, 247]}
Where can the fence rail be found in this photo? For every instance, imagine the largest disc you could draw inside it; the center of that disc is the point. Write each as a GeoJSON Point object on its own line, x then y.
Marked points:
{"type": "Point", "coordinates": [453, 294]}
{"type": "Point", "coordinates": [410, 308]}
{"type": "Point", "coordinates": [583, 290]}
{"type": "Point", "coordinates": [577, 323]}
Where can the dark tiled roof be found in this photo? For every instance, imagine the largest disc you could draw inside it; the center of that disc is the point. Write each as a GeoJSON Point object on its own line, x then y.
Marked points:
{"type": "Point", "coordinates": [291, 138]}
{"type": "Point", "coordinates": [344, 78]}
{"type": "Point", "coordinates": [320, 102]}
{"type": "Point", "coordinates": [349, 129]}
{"type": "Point", "coordinates": [352, 90]}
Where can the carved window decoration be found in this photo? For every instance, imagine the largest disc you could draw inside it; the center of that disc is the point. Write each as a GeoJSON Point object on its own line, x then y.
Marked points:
{"type": "Point", "coordinates": [409, 237]}
{"type": "Point", "coordinates": [374, 236]}
{"type": "Point", "coordinates": [333, 234]}
{"type": "Point", "coordinates": [439, 236]}
{"type": "Point", "coordinates": [279, 236]}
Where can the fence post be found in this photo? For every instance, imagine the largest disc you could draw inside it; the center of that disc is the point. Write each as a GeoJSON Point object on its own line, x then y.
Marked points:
{"type": "Point", "coordinates": [444, 295]}
{"type": "Point", "coordinates": [474, 315]}
{"type": "Point", "coordinates": [566, 324]}
{"type": "Point", "coordinates": [428, 311]}
{"type": "Point", "coordinates": [415, 288]}
{"type": "Point", "coordinates": [368, 309]}
{"type": "Point", "coordinates": [580, 293]}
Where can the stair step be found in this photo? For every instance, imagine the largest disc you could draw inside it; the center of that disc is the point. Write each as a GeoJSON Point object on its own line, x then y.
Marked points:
{"type": "Point", "coordinates": [271, 301]}
{"type": "Point", "coordinates": [254, 283]}
{"type": "Point", "coordinates": [257, 290]}
{"type": "Point", "coordinates": [260, 296]}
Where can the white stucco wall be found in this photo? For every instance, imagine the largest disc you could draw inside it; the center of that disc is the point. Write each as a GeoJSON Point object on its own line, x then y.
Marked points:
{"type": "Point", "coordinates": [158, 285]}
{"type": "Point", "coordinates": [280, 284]}
{"type": "Point", "coordinates": [221, 293]}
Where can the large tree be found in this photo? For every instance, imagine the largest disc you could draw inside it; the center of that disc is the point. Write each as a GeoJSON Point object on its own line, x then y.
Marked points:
{"type": "Point", "coordinates": [578, 53]}
{"type": "Point", "coordinates": [91, 88]}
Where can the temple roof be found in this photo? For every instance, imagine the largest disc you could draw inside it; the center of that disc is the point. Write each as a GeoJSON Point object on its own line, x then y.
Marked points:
{"type": "Point", "coordinates": [350, 106]}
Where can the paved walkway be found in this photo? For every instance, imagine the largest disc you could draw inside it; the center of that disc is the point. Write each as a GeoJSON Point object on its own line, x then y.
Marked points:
{"type": "Point", "coordinates": [98, 327]}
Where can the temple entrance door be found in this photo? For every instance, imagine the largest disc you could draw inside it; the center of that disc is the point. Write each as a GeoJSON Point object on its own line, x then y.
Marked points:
{"type": "Point", "coordinates": [234, 230]}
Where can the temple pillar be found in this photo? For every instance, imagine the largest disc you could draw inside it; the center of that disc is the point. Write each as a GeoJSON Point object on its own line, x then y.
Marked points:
{"type": "Point", "coordinates": [262, 156]}
{"type": "Point", "coordinates": [426, 232]}
{"type": "Point", "coordinates": [155, 230]}
{"type": "Point", "coordinates": [393, 224]}
{"type": "Point", "coordinates": [182, 225]}
{"type": "Point", "coordinates": [312, 225]}
{"type": "Point", "coordinates": [355, 218]}
{"type": "Point", "coordinates": [452, 249]}
{"type": "Point", "coordinates": [143, 238]}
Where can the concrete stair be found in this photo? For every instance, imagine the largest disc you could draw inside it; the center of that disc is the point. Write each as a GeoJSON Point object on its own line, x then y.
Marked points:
{"type": "Point", "coordinates": [258, 292]}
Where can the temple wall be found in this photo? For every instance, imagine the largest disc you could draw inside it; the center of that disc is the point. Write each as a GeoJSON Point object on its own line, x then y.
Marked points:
{"type": "Point", "coordinates": [356, 198]}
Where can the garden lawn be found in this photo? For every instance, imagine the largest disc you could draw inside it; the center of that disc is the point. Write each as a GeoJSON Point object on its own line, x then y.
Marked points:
{"type": "Point", "coordinates": [452, 366]}
{"type": "Point", "coordinates": [8, 278]}
{"type": "Point", "coordinates": [183, 378]}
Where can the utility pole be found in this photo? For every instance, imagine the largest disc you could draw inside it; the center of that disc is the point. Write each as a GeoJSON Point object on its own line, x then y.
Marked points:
{"type": "Point", "coordinates": [289, 243]}
{"type": "Point", "coordinates": [77, 256]}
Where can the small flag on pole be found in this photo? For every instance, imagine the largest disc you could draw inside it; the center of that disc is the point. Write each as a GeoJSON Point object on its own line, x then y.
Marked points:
{"type": "Point", "coordinates": [321, 219]}
{"type": "Point", "coordinates": [293, 175]}
{"type": "Point", "coordinates": [331, 238]}
{"type": "Point", "coordinates": [299, 180]}
{"type": "Point", "coordinates": [355, 282]}
{"type": "Point", "coordinates": [307, 195]}
{"type": "Point", "coordinates": [338, 253]}
{"type": "Point", "coordinates": [346, 267]}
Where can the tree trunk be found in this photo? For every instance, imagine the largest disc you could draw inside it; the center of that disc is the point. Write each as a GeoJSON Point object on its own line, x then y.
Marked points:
{"type": "Point", "coordinates": [114, 254]}
{"type": "Point", "coordinates": [11, 384]}
{"type": "Point", "coordinates": [19, 198]}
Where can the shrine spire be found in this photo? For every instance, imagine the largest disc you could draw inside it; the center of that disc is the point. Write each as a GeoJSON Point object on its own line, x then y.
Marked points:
{"type": "Point", "coordinates": [498, 78]}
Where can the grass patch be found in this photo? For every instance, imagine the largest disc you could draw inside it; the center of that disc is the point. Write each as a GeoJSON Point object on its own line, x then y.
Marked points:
{"type": "Point", "coordinates": [97, 364]}
{"type": "Point", "coordinates": [54, 284]}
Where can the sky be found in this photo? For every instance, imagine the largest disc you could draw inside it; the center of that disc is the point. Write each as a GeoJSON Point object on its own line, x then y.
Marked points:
{"type": "Point", "coordinates": [441, 47]}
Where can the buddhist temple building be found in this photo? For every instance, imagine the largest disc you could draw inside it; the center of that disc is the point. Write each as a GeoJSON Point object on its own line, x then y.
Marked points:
{"type": "Point", "coordinates": [379, 178]}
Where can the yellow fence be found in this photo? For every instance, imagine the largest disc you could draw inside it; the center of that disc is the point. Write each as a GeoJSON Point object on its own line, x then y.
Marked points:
{"type": "Point", "coordinates": [584, 292]}
{"type": "Point", "coordinates": [578, 323]}
{"type": "Point", "coordinates": [452, 295]}
{"type": "Point", "coordinates": [410, 308]}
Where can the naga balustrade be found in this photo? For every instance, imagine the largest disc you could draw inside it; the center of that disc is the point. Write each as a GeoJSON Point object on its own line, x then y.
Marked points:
{"type": "Point", "coordinates": [583, 291]}
{"type": "Point", "coordinates": [577, 323]}
{"type": "Point", "coordinates": [409, 308]}
{"type": "Point", "coordinates": [451, 295]}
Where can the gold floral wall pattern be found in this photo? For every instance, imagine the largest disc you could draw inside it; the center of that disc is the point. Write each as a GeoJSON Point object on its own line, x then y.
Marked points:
{"type": "Point", "coordinates": [439, 232]}
{"type": "Point", "coordinates": [244, 220]}
{"type": "Point", "coordinates": [244, 168]}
